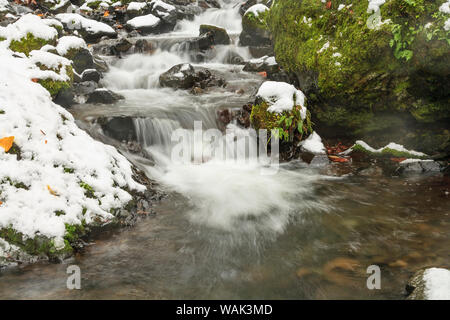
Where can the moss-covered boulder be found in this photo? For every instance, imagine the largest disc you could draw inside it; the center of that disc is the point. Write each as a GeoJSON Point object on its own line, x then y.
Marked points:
{"type": "Point", "coordinates": [373, 72]}
{"type": "Point", "coordinates": [55, 74]}
{"type": "Point", "coordinates": [281, 109]}
{"type": "Point", "coordinates": [255, 31]}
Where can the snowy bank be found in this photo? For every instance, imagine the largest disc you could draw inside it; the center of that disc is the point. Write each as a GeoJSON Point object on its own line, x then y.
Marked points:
{"type": "Point", "coordinates": [429, 284]}
{"type": "Point", "coordinates": [54, 177]}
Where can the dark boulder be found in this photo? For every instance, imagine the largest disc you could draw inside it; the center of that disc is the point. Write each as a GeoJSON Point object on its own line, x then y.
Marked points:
{"type": "Point", "coordinates": [83, 60]}
{"type": "Point", "coordinates": [219, 35]}
{"type": "Point", "coordinates": [103, 96]}
{"type": "Point", "coordinates": [121, 128]}
{"type": "Point", "coordinates": [184, 76]}
{"type": "Point", "coordinates": [91, 75]}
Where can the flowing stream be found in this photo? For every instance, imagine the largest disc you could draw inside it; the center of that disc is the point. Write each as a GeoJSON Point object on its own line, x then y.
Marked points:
{"type": "Point", "coordinates": [228, 231]}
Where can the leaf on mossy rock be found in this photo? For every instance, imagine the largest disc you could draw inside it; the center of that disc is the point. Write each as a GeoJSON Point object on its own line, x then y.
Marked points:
{"type": "Point", "coordinates": [6, 143]}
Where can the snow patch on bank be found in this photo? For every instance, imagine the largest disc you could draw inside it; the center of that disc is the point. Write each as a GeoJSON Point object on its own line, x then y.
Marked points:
{"type": "Point", "coordinates": [437, 284]}
{"type": "Point", "coordinates": [392, 145]}
{"type": "Point", "coordinates": [46, 188]}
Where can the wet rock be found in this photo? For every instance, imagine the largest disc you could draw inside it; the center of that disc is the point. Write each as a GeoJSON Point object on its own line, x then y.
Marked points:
{"type": "Point", "coordinates": [104, 96]}
{"type": "Point", "coordinates": [265, 63]}
{"type": "Point", "coordinates": [83, 60]}
{"type": "Point", "coordinates": [261, 51]}
{"type": "Point", "coordinates": [219, 35]}
{"type": "Point", "coordinates": [119, 128]}
{"type": "Point", "coordinates": [232, 57]}
{"type": "Point", "coordinates": [100, 64]}
{"type": "Point", "coordinates": [91, 75]}
{"type": "Point", "coordinates": [84, 88]}
{"type": "Point", "coordinates": [181, 76]}
{"type": "Point", "coordinates": [201, 43]}
{"type": "Point", "coordinates": [418, 166]}
{"type": "Point", "coordinates": [143, 46]}
{"type": "Point", "coordinates": [147, 24]}
{"type": "Point", "coordinates": [122, 46]}
{"type": "Point", "coordinates": [65, 97]}
{"type": "Point", "coordinates": [254, 30]}
{"type": "Point", "coordinates": [166, 12]}
{"type": "Point", "coordinates": [184, 76]}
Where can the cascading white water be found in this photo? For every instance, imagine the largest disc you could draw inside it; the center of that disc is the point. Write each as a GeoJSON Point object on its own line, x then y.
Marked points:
{"type": "Point", "coordinates": [230, 193]}
{"type": "Point", "coordinates": [226, 17]}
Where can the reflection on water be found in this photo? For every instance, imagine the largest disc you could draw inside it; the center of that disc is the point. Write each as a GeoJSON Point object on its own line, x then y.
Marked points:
{"type": "Point", "coordinates": [400, 224]}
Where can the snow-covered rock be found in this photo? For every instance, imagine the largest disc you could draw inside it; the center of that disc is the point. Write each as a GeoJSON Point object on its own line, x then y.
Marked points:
{"type": "Point", "coordinates": [429, 284]}
{"type": "Point", "coordinates": [91, 30]}
{"type": "Point", "coordinates": [313, 144]}
{"type": "Point", "coordinates": [147, 23]}
{"type": "Point", "coordinates": [281, 96]}
{"type": "Point", "coordinates": [69, 42]}
{"type": "Point", "coordinates": [55, 175]}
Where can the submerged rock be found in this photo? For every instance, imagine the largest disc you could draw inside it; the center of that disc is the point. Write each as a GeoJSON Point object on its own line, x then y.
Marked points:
{"type": "Point", "coordinates": [119, 128]}
{"type": "Point", "coordinates": [91, 75]}
{"type": "Point", "coordinates": [105, 96]}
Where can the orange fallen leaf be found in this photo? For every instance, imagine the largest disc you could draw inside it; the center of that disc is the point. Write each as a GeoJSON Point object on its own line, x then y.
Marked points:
{"type": "Point", "coordinates": [45, 141]}
{"type": "Point", "coordinates": [40, 14]}
{"type": "Point", "coordinates": [119, 26]}
{"type": "Point", "coordinates": [329, 5]}
{"type": "Point", "coordinates": [35, 80]}
{"type": "Point", "coordinates": [1, 203]}
{"type": "Point", "coordinates": [53, 193]}
{"type": "Point", "coordinates": [263, 73]}
{"type": "Point", "coordinates": [337, 159]}
{"type": "Point", "coordinates": [106, 13]}
{"type": "Point", "coordinates": [6, 143]}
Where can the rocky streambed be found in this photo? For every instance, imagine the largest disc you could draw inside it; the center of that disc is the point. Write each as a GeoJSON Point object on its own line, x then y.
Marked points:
{"type": "Point", "coordinates": [335, 206]}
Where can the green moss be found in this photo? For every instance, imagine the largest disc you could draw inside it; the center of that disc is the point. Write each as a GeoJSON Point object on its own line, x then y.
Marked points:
{"type": "Point", "coordinates": [37, 246]}
{"type": "Point", "coordinates": [94, 5]}
{"type": "Point", "coordinates": [286, 125]}
{"type": "Point", "coordinates": [386, 153]}
{"type": "Point", "coordinates": [89, 191]}
{"type": "Point", "coordinates": [53, 86]}
{"type": "Point", "coordinates": [29, 43]}
{"type": "Point", "coordinates": [2, 112]}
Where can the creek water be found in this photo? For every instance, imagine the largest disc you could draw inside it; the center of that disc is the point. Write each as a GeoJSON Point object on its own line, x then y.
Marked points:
{"type": "Point", "coordinates": [226, 231]}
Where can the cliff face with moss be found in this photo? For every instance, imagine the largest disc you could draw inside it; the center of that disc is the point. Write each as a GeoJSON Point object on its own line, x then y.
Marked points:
{"type": "Point", "coordinates": [378, 74]}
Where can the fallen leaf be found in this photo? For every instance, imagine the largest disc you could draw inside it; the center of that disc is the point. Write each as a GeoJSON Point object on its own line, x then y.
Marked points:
{"type": "Point", "coordinates": [337, 159]}
{"type": "Point", "coordinates": [1, 203]}
{"type": "Point", "coordinates": [53, 193]}
{"type": "Point", "coordinates": [329, 5]}
{"type": "Point", "coordinates": [263, 73]}
{"type": "Point", "coordinates": [6, 143]}
{"type": "Point", "coordinates": [119, 26]}
{"type": "Point", "coordinates": [35, 80]}
{"type": "Point", "coordinates": [45, 141]}
{"type": "Point", "coordinates": [106, 13]}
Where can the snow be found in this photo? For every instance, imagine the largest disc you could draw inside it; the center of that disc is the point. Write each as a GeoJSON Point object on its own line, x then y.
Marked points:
{"type": "Point", "coordinates": [270, 61]}
{"type": "Point", "coordinates": [257, 9]}
{"type": "Point", "coordinates": [50, 61]}
{"type": "Point", "coordinates": [159, 3]}
{"type": "Point", "coordinates": [148, 20]}
{"type": "Point", "coordinates": [136, 6]}
{"type": "Point", "coordinates": [341, 6]}
{"type": "Point", "coordinates": [76, 21]}
{"type": "Point", "coordinates": [392, 145]}
{"type": "Point", "coordinates": [437, 284]}
{"type": "Point", "coordinates": [325, 47]}
{"type": "Point", "coordinates": [447, 25]}
{"type": "Point", "coordinates": [28, 23]}
{"type": "Point", "coordinates": [69, 42]}
{"type": "Point", "coordinates": [280, 97]}
{"type": "Point", "coordinates": [313, 144]}
{"type": "Point", "coordinates": [374, 5]}
{"type": "Point", "coordinates": [445, 7]}
{"type": "Point", "coordinates": [414, 161]}
{"type": "Point", "coordinates": [50, 142]}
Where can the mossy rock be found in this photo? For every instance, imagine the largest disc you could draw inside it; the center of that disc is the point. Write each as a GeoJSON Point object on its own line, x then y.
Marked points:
{"type": "Point", "coordinates": [355, 74]}
{"type": "Point", "coordinates": [54, 86]}
{"type": "Point", "coordinates": [29, 43]}
{"type": "Point", "coordinates": [255, 31]}
{"type": "Point", "coordinates": [289, 130]}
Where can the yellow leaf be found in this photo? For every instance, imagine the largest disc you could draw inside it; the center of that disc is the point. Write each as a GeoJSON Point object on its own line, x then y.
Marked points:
{"type": "Point", "coordinates": [53, 193]}
{"type": "Point", "coordinates": [6, 143]}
